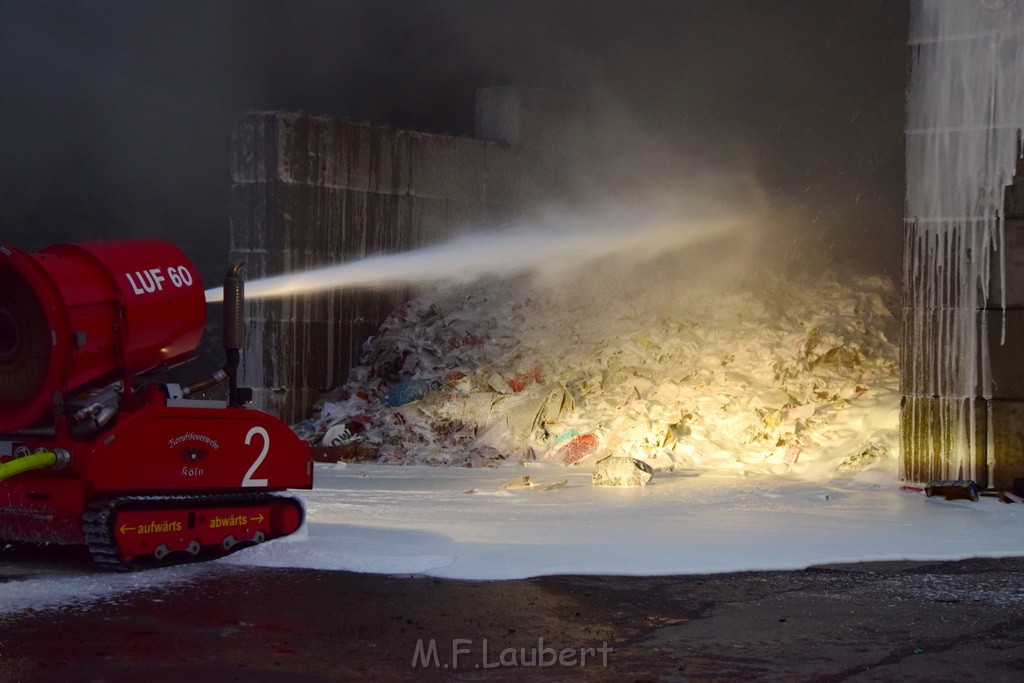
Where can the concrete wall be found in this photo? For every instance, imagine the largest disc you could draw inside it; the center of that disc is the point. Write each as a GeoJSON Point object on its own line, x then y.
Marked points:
{"type": "Point", "coordinates": [963, 391]}
{"type": "Point", "coordinates": [311, 191]}
{"type": "Point", "coordinates": [1002, 329]}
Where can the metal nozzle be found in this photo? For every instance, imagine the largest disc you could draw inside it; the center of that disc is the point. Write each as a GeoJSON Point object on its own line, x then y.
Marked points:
{"type": "Point", "coordinates": [204, 384]}
{"type": "Point", "coordinates": [62, 459]}
{"type": "Point", "coordinates": [234, 307]}
{"type": "Point", "coordinates": [234, 329]}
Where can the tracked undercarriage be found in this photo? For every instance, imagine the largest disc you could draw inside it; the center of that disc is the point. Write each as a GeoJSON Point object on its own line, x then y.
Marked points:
{"type": "Point", "coordinates": [135, 532]}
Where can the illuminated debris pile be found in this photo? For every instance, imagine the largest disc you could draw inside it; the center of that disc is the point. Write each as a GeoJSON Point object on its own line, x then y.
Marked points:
{"type": "Point", "coordinates": [674, 374]}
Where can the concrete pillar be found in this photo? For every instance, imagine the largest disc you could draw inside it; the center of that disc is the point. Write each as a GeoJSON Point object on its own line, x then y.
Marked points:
{"type": "Point", "coordinates": [1002, 323]}
{"type": "Point", "coordinates": [963, 389]}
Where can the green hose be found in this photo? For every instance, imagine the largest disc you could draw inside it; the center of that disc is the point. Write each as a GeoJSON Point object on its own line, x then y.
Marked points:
{"type": "Point", "coordinates": [34, 461]}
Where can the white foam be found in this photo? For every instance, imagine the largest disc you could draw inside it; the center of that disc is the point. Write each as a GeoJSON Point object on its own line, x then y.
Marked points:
{"type": "Point", "coordinates": [421, 520]}
{"type": "Point", "coordinates": [459, 523]}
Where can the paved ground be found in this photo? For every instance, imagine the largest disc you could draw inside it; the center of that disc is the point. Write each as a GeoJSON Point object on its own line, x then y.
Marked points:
{"type": "Point", "coordinates": [867, 622]}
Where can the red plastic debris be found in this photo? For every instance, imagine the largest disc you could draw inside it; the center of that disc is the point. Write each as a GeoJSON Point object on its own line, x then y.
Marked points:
{"type": "Point", "coordinates": [524, 379]}
{"type": "Point", "coordinates": [358, 423]}
{"type": "Point", "coordinates": [577, 449]}
{"type": "Point", "coordinates": [519, 382]}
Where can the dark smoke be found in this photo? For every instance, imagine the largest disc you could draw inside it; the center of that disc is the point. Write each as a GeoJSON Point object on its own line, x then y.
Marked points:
{"type": "Point", "coordinates": [115, 116]}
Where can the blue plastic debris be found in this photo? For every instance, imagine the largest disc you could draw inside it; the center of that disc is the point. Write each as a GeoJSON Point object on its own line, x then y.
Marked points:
{"type": "Point", "coordinates": [565, 437]}
{"type": "Point", "coordinates": [408, 391]}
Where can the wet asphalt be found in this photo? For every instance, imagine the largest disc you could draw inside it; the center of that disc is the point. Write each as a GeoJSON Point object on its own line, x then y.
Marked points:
{"type": "Point", "coordinates": [871, 622]}
{"type": "Point", "coordinates": [860, 622]}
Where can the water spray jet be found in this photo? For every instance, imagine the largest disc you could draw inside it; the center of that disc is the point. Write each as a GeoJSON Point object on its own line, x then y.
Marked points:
{"type": "Point", "coordinates": [512, 250]}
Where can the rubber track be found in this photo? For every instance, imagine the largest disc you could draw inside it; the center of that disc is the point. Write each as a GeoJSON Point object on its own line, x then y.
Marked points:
{"type": "Point", "coordinates": [99, 532]}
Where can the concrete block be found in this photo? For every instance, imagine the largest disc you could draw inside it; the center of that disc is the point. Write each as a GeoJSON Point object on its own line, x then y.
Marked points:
{"type": "Point", "coordinates": [443, 167]}
{"type": "Point", "coordinates": [292, 148]}
{"type": "Point", "coordinates": [934, 447]}
{"type": "Point", "coordinates": [937, 438]}
{"type": "Point", "coordinates": [330, 224]}
{"type": "Point", "coordinates": [501, 212]}
{"type": "Point", "coordinates": [1003, 334]}
{"type": "Point", "coordinates": [941, 353]}
{"type": "Point", "coordinates": [250, 218]}
{"type": "Point", "coordinates": [1007, 429]}
{"type": "Point", "coordinates": [506, 179]}
{"type": "Point", "coordinates": [1011, 262]}
{"type": "Point", "coordinates": [424, 220]}
{"type": "Point", "coordinates": [1013, 195]}
{"type": "Point", "coordinates": [957, 142]}
{"type": "Point", "coordinates": [389, 159]}
{"type": "Point", "coordinates": [939, 356]}
{"type": "Point", "coordinates": [304, 215]}
{"type": "Point", "coordinates": [467, 216]}
{"type": "Point", "coordinates": [942, 281]}
{"type": "Point", "coordinates": [253, 147]}
{"type": "Point", "coordinates": [347, 155]}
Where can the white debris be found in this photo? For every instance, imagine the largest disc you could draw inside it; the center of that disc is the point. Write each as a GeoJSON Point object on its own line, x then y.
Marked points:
{"type": "Point", "coordinates": [617, 471]}
{"type": "Point", "coordinates": [772, 374]}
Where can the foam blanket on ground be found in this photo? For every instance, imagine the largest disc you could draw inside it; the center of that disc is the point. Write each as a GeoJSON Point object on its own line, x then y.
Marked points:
{"type": "Point", "coordinates": [767, 373]}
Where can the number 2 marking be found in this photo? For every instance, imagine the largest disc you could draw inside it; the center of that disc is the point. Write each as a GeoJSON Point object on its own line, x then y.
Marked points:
{"type": "Point", "coordinates": [247, 480]}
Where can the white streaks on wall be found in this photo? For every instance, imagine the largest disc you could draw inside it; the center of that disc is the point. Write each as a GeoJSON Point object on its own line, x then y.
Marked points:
{"type": "Point", "coordinates": [965, 108]}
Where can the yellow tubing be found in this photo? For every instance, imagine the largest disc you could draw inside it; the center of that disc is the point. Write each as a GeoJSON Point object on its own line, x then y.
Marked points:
{"type": "Point", "coordinates": [34, 461]}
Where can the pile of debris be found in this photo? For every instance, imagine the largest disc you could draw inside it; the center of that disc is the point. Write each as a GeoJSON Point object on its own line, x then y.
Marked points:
{"type": "Point", "coordinates": [651, 366]}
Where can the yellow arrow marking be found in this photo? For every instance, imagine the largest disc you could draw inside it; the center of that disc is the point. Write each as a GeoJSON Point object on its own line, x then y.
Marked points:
{"type": "Point", "coordinates": [257, 519]}
{"type": "Point", "coordinates": [126, 529]}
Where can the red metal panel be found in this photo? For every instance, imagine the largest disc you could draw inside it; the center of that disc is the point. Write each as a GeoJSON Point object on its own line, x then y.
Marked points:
{"type": "Point", "coordinates": [74, 315]}
{"type": "Point", "coordinates": [41, 509]}
{"type": "Point", "coordinates": [175, 449]}
{"type": "Point", "coordinates": [160, 292]}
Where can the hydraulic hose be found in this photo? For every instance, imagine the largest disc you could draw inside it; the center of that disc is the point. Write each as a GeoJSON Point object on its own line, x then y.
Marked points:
{"type": "Point", "coordinates": [33, 461]}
